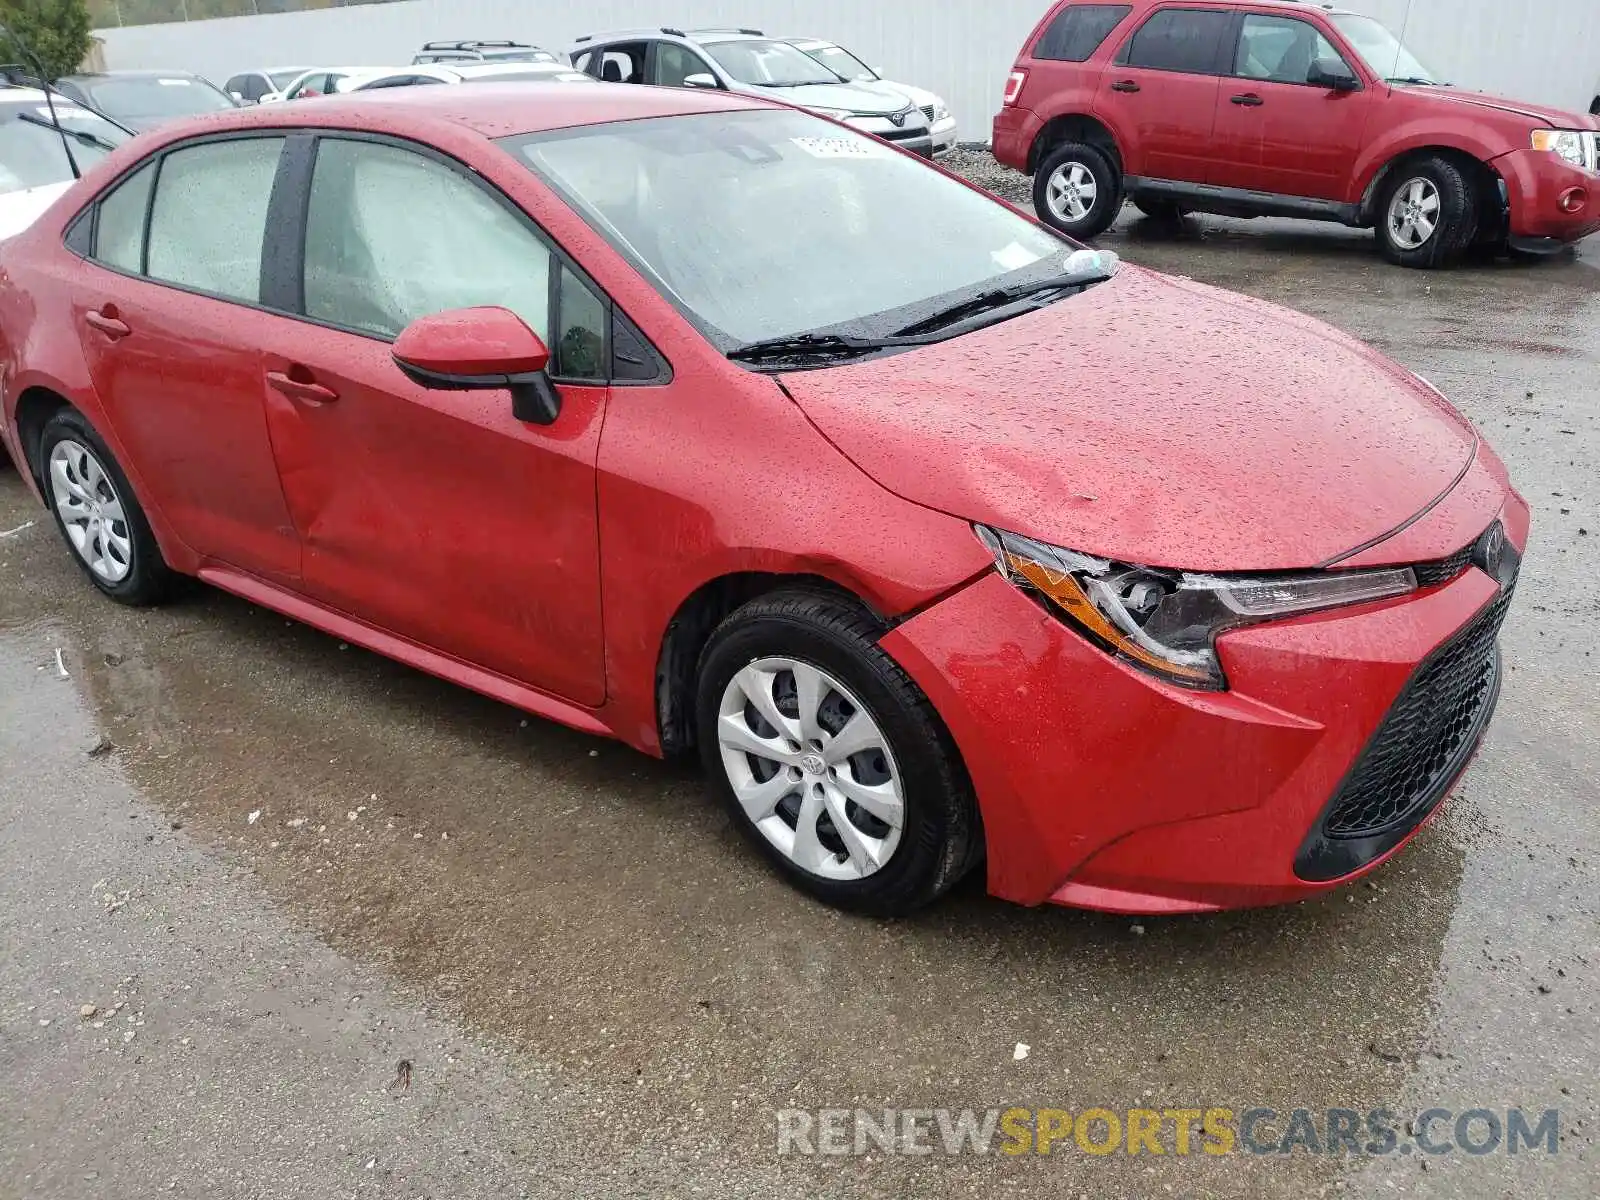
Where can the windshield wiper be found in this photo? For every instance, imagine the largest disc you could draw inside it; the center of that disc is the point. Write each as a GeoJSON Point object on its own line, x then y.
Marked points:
{"type": "Point", "coordinates": [812, 345]}
{"type": "Point", "coordinates": [1414, 81]}
{"type": "Point", "coordinates": [82, 136]}
{"type": "Point", "coordinates": [1000, 297]}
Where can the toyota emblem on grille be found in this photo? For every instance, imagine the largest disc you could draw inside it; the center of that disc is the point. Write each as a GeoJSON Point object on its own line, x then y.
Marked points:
{"type": "Point", "coordinates": [1491, 549]}
{"type": "Point", "coordinates": [898, 118]}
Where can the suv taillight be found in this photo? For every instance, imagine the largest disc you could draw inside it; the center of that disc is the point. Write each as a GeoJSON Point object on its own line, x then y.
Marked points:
{"type": "Point", "coordinates": [1014, 84]}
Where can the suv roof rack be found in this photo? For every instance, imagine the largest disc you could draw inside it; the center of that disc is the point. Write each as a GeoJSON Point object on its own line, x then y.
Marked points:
{"type": "Point", "coordinates": [476, 44]}
{"type": "Point", "coordinates": [723, 29]}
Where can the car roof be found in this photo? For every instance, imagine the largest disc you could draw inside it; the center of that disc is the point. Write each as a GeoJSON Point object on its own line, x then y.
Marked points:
{"type": "Point", "coordinates": [490, 109]}
{"type": "Point", "coordinates": [91, 76]}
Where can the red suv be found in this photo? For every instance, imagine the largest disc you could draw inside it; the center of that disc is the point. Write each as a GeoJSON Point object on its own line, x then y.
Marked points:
{"type": "Point", "coordinates": [1271, 108]}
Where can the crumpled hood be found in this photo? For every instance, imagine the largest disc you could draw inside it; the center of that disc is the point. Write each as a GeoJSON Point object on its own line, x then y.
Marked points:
{"type": "Point", "coordinates": [1554, 118]}
{"type": "Point", "coordinates": [1152, 420]}
{"type": "Point", "coordinates": [842, 95]}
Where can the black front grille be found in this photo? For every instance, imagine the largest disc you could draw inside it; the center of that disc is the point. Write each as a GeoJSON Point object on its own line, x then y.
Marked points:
{"type": "Point", "coordinates": [1420, 747]}
{"type": "Point", "coordinates": [928, 111]}
{"type": "Point", "coordinates": [1432, 574]}
{"type": "Point", "coordinates": [904, 135]}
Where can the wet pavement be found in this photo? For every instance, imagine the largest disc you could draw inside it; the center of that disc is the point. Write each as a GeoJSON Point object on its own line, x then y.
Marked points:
{"type": "Point", "coordinates": [600, 991]}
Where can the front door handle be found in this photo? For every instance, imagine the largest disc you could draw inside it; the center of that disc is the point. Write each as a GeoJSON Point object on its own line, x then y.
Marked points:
{"type": "Point", "coordinates": [1125, 85]}
{"type": "Point", "coordinates": [1249, 100]}
{"type": "Point", "coordinates": [300, 389]}
{"type": "Point", "coordinates": [108, 323]}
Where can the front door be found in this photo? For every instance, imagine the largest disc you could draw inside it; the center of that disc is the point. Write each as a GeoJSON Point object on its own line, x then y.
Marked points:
{"type": "Point", "coordinates": [1276, 131]}
{"type": "Point", "coordinates": [1159, 96]}
{"type": "Point", "coordinates": [169, 330]}
{"type": "Point", "coordinates": [436, 515]}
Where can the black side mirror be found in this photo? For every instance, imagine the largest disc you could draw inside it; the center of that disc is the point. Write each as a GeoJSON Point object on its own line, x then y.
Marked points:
{"type": "Point", "coordinates": [1333, 73]}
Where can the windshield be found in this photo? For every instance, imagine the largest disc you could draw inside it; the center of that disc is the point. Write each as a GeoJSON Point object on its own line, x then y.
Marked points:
{"type": "Point", "coordinates": [31, 153]}
{"type": "Point", "coordinates": [769, 64]}
{"type": "Point", "coordinates": [155, 97]}
{"type": "Point", "coordinates": [1382, 51]}
{"type": "Point", "coordinates": [770, 223]}
{"type": "Point", "coordinates": [282, 79]}
{"type": "Point", "coordinates": [841, 62]}
{"type": "Point", "coordinates": [543, 56]}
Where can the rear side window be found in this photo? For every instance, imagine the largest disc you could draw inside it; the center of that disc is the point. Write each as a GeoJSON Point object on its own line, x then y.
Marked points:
{"type": "Point", "coordinates": [208, 220]}
{"type": "Point", "coordinates": [119, 233]}
{"type": "Point", "coordinates": [1180, 39]}
{"type": "Point", "coordinates": [1078, 31]}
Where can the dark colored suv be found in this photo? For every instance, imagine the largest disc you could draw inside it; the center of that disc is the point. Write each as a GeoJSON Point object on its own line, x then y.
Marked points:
{"type": "Point", "coordinates": [1271, 108]}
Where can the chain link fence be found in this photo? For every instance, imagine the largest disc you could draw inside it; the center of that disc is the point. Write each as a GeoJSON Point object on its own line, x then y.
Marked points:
{"type": "Point", "coordinates": [112, 13]}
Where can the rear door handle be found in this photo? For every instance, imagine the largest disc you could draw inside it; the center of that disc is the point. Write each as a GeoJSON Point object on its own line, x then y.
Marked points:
{"type": "Point", "coordinates": [1125, 85]}
{"type": "Point", "coordinates": [300, 389]}
{"type": "Point", "coordinates": [1249, 100]}
{"type": "Point", "coordinates": [108, 323]}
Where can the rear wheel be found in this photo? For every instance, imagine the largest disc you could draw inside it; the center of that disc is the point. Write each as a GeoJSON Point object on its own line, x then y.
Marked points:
{"type": "Point", "coordinates": [1077, 190]}
{"type": "Point", "coordinates": [1428, 214]}
{"type": "Point", "coordinates": [97, 513]}
{"type": "Point", "coordinates": [829, 757]}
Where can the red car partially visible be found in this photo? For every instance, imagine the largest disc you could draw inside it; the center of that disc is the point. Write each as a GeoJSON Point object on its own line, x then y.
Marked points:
{"type": "Point", "coordinates": [1253, 108]}
{"type": "Point", "coordinates": [649, 412]}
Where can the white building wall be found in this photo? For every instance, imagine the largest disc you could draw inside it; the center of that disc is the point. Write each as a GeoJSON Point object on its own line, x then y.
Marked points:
{"type": "Point", "coordinates": [1546, 50]}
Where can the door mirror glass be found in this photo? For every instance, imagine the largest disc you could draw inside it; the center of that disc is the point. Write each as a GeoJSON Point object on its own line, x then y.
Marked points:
{"type": "Point", "coordinates": [700, 79]}
{"type": "Point", "coordinates": [468, 349]}
{"type": "Point", "coordinates": [1333, 73]}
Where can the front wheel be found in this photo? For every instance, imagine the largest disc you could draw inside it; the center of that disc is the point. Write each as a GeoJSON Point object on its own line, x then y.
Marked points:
{"type": "Point", "coordinates": [1428, 214]}
{"type": "Point", "coordinates": [1077, 191]}
{"type": "Point", "coordinates": [829, 757]}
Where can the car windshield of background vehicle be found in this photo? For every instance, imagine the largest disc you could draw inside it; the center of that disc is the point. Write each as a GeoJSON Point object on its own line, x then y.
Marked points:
{"type": "Point", "coordinates": [31, 153]}
{"type": "Point", "coordinates": [510, 56]}
{"type": "Point", "coordinates": [282, 79]}
{"type": "Point", "coordinates": [1384, 53]}
{"type": "Point", "coordinates": [144, 99]}
{"type": "Point", "coordinates": [769, 64]}
{"type": "Point", "coordinates": [766, 224]}
{"type": "Point", "coordinates": [841, 62]}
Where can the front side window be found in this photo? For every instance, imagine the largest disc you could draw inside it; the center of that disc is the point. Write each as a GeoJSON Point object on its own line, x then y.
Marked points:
{"type": "Point", "coordinates": [1079, 30]}
{"type": "Point", "coordinates": [675, 63]}
{"type": "Point", "coordinates": [32, 153]}
{"type": "Point", "coordinates": [1279, 49]}
{"type": "Point", "coordinates": [769, 64]}
{"type": "Point", "coordinates": [1189, 40]}
{"type": "Point", "coordinates": [768, 223]}
{"type": "Point", "coordinates": [208, 219]}
{"type": "Point", "coordinates": [393, 235]}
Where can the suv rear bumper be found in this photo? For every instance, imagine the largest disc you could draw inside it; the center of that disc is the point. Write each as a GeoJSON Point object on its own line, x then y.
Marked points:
{"type": "Point", "coordinates": [1015, 128]}
{"type": "Point", "coordinates": [1537, 182]}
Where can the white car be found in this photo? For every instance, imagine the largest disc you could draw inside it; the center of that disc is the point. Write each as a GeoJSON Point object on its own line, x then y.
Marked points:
{"type": "Point", "coordinates": [34, 167]}
{"type": "Point", "coordinates": [510, 72]}
{"type": "Point", "coordinates": [852, 70]}
{"type": "Point", "coordinates": [318, 81]}
{"type": "Point", "coordinates": [249, 87]}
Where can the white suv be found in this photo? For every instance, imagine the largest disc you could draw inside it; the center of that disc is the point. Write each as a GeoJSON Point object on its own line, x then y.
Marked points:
{"type": "Point", "coordinates": [941, 125]}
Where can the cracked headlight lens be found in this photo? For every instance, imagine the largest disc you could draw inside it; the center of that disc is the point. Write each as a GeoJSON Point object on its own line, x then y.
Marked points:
{"type": "Point", "coordinates": [1166, 622]}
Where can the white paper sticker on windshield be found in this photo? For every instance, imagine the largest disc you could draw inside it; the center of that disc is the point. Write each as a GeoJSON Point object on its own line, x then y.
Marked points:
{"type": "Point", "coordinates": [1014, 257]}
{"type": "Point", "coordinates": [840, 147]}
{"type": "Point", "coordinates": [174, 82]}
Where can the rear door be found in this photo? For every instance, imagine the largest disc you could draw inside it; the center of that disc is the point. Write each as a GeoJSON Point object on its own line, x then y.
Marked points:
{"type": "Point", "coordinates": [169, 315]}
{"type": "Point", "coordinates": [1159, 96]}
{"type": "Point", "coordinates": [1275, 130]}
{"type": "Point", "coordinates": [436, 515]}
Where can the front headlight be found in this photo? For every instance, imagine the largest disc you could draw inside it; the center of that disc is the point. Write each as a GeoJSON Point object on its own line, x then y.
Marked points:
{"type": "Point", "coordinates": [1167, 622]}
{"type": "Point", "coordinates": [1563, 142]}
{"type": "Point", "coordinates": [940, 112]}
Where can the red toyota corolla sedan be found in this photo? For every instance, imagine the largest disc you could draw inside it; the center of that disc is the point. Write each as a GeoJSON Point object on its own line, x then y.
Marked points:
{"type": "Point", "coordinates": [701, 422]}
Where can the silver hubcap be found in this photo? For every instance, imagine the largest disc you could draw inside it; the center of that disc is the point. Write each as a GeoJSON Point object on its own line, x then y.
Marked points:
{"type": "Point", "coordinates": [1071, 191]}
{"type": "Point", "coordinates": [1414, 214]}
{"type": "Point", "coordinates": [91, 511]}
{"type": "Point", "coordinates": [811, 768]}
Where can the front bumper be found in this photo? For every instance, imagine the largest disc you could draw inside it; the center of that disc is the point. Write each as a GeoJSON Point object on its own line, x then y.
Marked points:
{"type": "Point", "coordinates": [1536, 183]}
{"type": "Point", "coordinates": [943, 135]}
{"type": "Point", "coordinates": [1101, 787]}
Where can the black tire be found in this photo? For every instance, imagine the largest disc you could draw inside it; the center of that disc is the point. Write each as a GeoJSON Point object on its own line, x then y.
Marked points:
{"type": "Point", "coordinates": [1107, 200]}
{"type": "Point", "coordinates": [1164, 211]}
{"type": "Point", "coordinates": [1456, 223]}
{"type": "Point", "coordinates": [148, 580]}
{"type": "Point", "coordinates": [941, 838]}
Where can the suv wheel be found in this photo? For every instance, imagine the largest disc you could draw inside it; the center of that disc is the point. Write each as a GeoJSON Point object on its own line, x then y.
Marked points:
{"type": "Point", "coordinates": [830, 759]}
{"type": "Point", "coordinates": [1428, 214]}
{"type": "Point", "coordinates": [1077, 190]}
